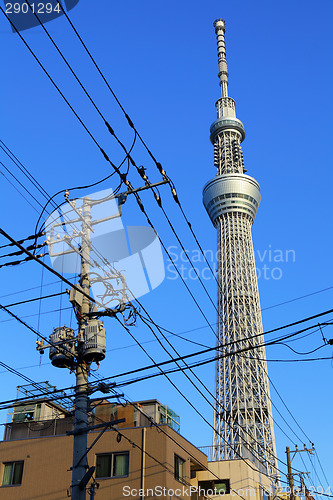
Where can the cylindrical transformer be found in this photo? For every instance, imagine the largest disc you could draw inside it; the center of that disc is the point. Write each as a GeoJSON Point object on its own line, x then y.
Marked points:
{"type": "Point", "coordinates": [94, 341]}
{"type": "Point", "coordinates": [62, 350]}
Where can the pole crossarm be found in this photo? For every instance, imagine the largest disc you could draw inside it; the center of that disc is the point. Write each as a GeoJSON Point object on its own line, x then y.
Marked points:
{"type": "Point", "coordinates": [99, 426]}
{"type": "Point", "coordinates": [108, 311]}
{"type": "Point", "coordinates": [297, 450]}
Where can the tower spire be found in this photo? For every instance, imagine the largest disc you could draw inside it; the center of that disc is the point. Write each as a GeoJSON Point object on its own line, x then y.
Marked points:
{"type": "Point", "coordinates": [219, 26]}
{"type": "Point", "coordinates": [243, 416]}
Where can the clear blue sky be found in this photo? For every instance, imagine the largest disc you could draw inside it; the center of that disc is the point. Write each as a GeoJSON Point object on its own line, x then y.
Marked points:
{"type": "Point", "coordinates": [160, 59]}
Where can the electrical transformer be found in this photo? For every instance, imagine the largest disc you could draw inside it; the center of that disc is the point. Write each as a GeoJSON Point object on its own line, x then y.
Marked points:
{"type": "Point", "coordinates": [94, 341]}
{"type": "Point", "coordinates": [62, 350]}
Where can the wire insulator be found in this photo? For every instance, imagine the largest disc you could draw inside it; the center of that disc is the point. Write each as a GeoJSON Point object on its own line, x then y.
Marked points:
{"type": "Point", "coordinates": [158, 199]}
{"type": "Point", "coordinates": [129, 120]}
{"type": "Point", "coordinates": [174, 194]}
{"type": "Point", "coordinates": [110, 129]}
{"type": "Point", "coordinates": [138, 199]}
{"type": "Point", "coordinates": [131, 160]}
{"type": "Point", "coordinates": [104, 154]}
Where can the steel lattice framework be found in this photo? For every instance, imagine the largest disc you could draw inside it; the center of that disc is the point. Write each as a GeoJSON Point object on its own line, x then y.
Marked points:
{"type": "Point", "coordinates": [243, 416]}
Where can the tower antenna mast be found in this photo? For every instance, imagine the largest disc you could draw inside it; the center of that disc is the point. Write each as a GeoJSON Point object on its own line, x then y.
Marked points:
{"type": "Point", "coordinates": [243, 420]}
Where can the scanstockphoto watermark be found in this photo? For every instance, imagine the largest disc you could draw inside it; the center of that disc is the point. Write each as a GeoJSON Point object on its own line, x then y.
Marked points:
{"type": "Point", "coordinates": [184, 491]}
{"type": "Point", "coordinates": [300, 491]}
{"type": "Point", "coordinates": [271, 263]}
{"type": "Point", "coordinates": [187, 491]}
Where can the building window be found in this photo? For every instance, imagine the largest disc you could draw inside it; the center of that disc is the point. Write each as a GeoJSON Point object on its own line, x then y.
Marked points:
{"type": "Point", "coordinates": [12, 473]}
{"type": "Point", "coordinates": [211, 488]}
{"type": "Point", "coordinates": [112, 464]}
{"type": "Point", "coordinates": [222, 486]}
{"type": "Point", "coordinates": [179, 469]}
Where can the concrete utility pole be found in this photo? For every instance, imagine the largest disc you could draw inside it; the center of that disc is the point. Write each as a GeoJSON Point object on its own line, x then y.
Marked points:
{"type": "Point", "coordinates": [77, 353]}
{"type": "Point", "coordinates": [80, 464]}
{"type": "Point", "coordinates": [290, 475]}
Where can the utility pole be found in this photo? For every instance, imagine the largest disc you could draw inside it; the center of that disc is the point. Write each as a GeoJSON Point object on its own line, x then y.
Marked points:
{"type": "Point", "coordinates": [305, 490]}
{"type": "Point", "coordinates": [290, 474]}
{"type": "Point", "coordinates": [78, 352]}
{"type": "Point", "coordinates": [80, 464]}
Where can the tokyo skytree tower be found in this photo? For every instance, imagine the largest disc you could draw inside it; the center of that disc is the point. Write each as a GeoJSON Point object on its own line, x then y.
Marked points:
{"type": "Point", "coordinates": [243, 424]}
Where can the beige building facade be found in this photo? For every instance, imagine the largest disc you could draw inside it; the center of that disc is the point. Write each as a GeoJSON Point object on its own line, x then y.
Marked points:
{"type": "Point", "coordinates": [145, 456]}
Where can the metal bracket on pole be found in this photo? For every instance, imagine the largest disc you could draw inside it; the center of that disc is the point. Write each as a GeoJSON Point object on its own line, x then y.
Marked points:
{"type": "Point", "coordinates": [86, 478]}
{"type": "Point", "coordinates": [105, 425]}
{"type": "Point", "coordinates": [94, 427]}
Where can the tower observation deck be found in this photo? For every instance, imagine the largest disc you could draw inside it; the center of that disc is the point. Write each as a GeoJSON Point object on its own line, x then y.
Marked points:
{"type": "Point", "coordinates": [243, 424]}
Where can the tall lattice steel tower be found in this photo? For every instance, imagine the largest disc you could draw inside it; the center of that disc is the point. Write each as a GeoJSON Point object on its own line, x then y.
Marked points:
{"type": "Point", "coordinates": [243, 417]}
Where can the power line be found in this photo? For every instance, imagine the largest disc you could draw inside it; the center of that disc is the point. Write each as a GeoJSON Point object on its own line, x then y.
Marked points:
{"type": "Point", "coordinates": [88, 185]}
{"type": "Point", "coordinates": [33, 257]}
{"type": "Point", "coordinates": [36, 298]}
{"type": "Point", "coordinates": [93, 300]}
{"type": "Point", "coordinates": [20, 183]}
{"type": "Point", "coordinates": [49, 76]}
{"type": "Point", "coordinates": [195, 364]}
{"type": "Point", "coordinates": [18, 262]}
{"type": "Point", "coordinates": [201, 383]}
{"type": "Point", "coordinates": [19, 374]}
{"type": "Point", "coordinates": [209, 392]}
{"type": "Point", "coordinates": [303, 353]}
{"type": "Point", "coordinates": [140, 170]}
{"type": "Point", "coordinates": [298, 298]}
{"type": "Point", "coordinates": [116, 169]}
{"type": "Point", "coordinates": [79, 82]}
{"type": "Point", "coordinates": [36, 332]}
{"type": "Point", "coordinates": [298, 360]}
{"type": "Point", "coordinates": [144, 350]}
{"type": "Point", "coordinates": [89, 297]}
{"type": "Point", "coordinates": [31, 237]}
{"type": "Point", "coordinates": [262, 309]}
{"type": "Point", "coordinates": [180, 368]}
{"type": "Point", "coordinates": [207, 350]}
{"type": "Point", "coordinates": [192, 366]}
{"type": "Point", "coordinates": [32, 288]}
{"type": "Point", "coordinates": [131, 124]}
{"type": "Point", "coordinates": [31, 247]}
{"type": "Point", "coordinates": [322, 470]}
{"type": "Point", "coordinates": [62, 390]}
{"type": "Point", "coordinates": [20, 192]}
{"type": "Point", "coordinates": [23, 169]}
{"type": "Point", "coordinates": [155, 424]}
{"type": "Point", "coordinates": [37, 314]}
{"type": "Point", "coordinates": [111, 131]}
{"type": "Point", "coordinates": [172, 370]}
